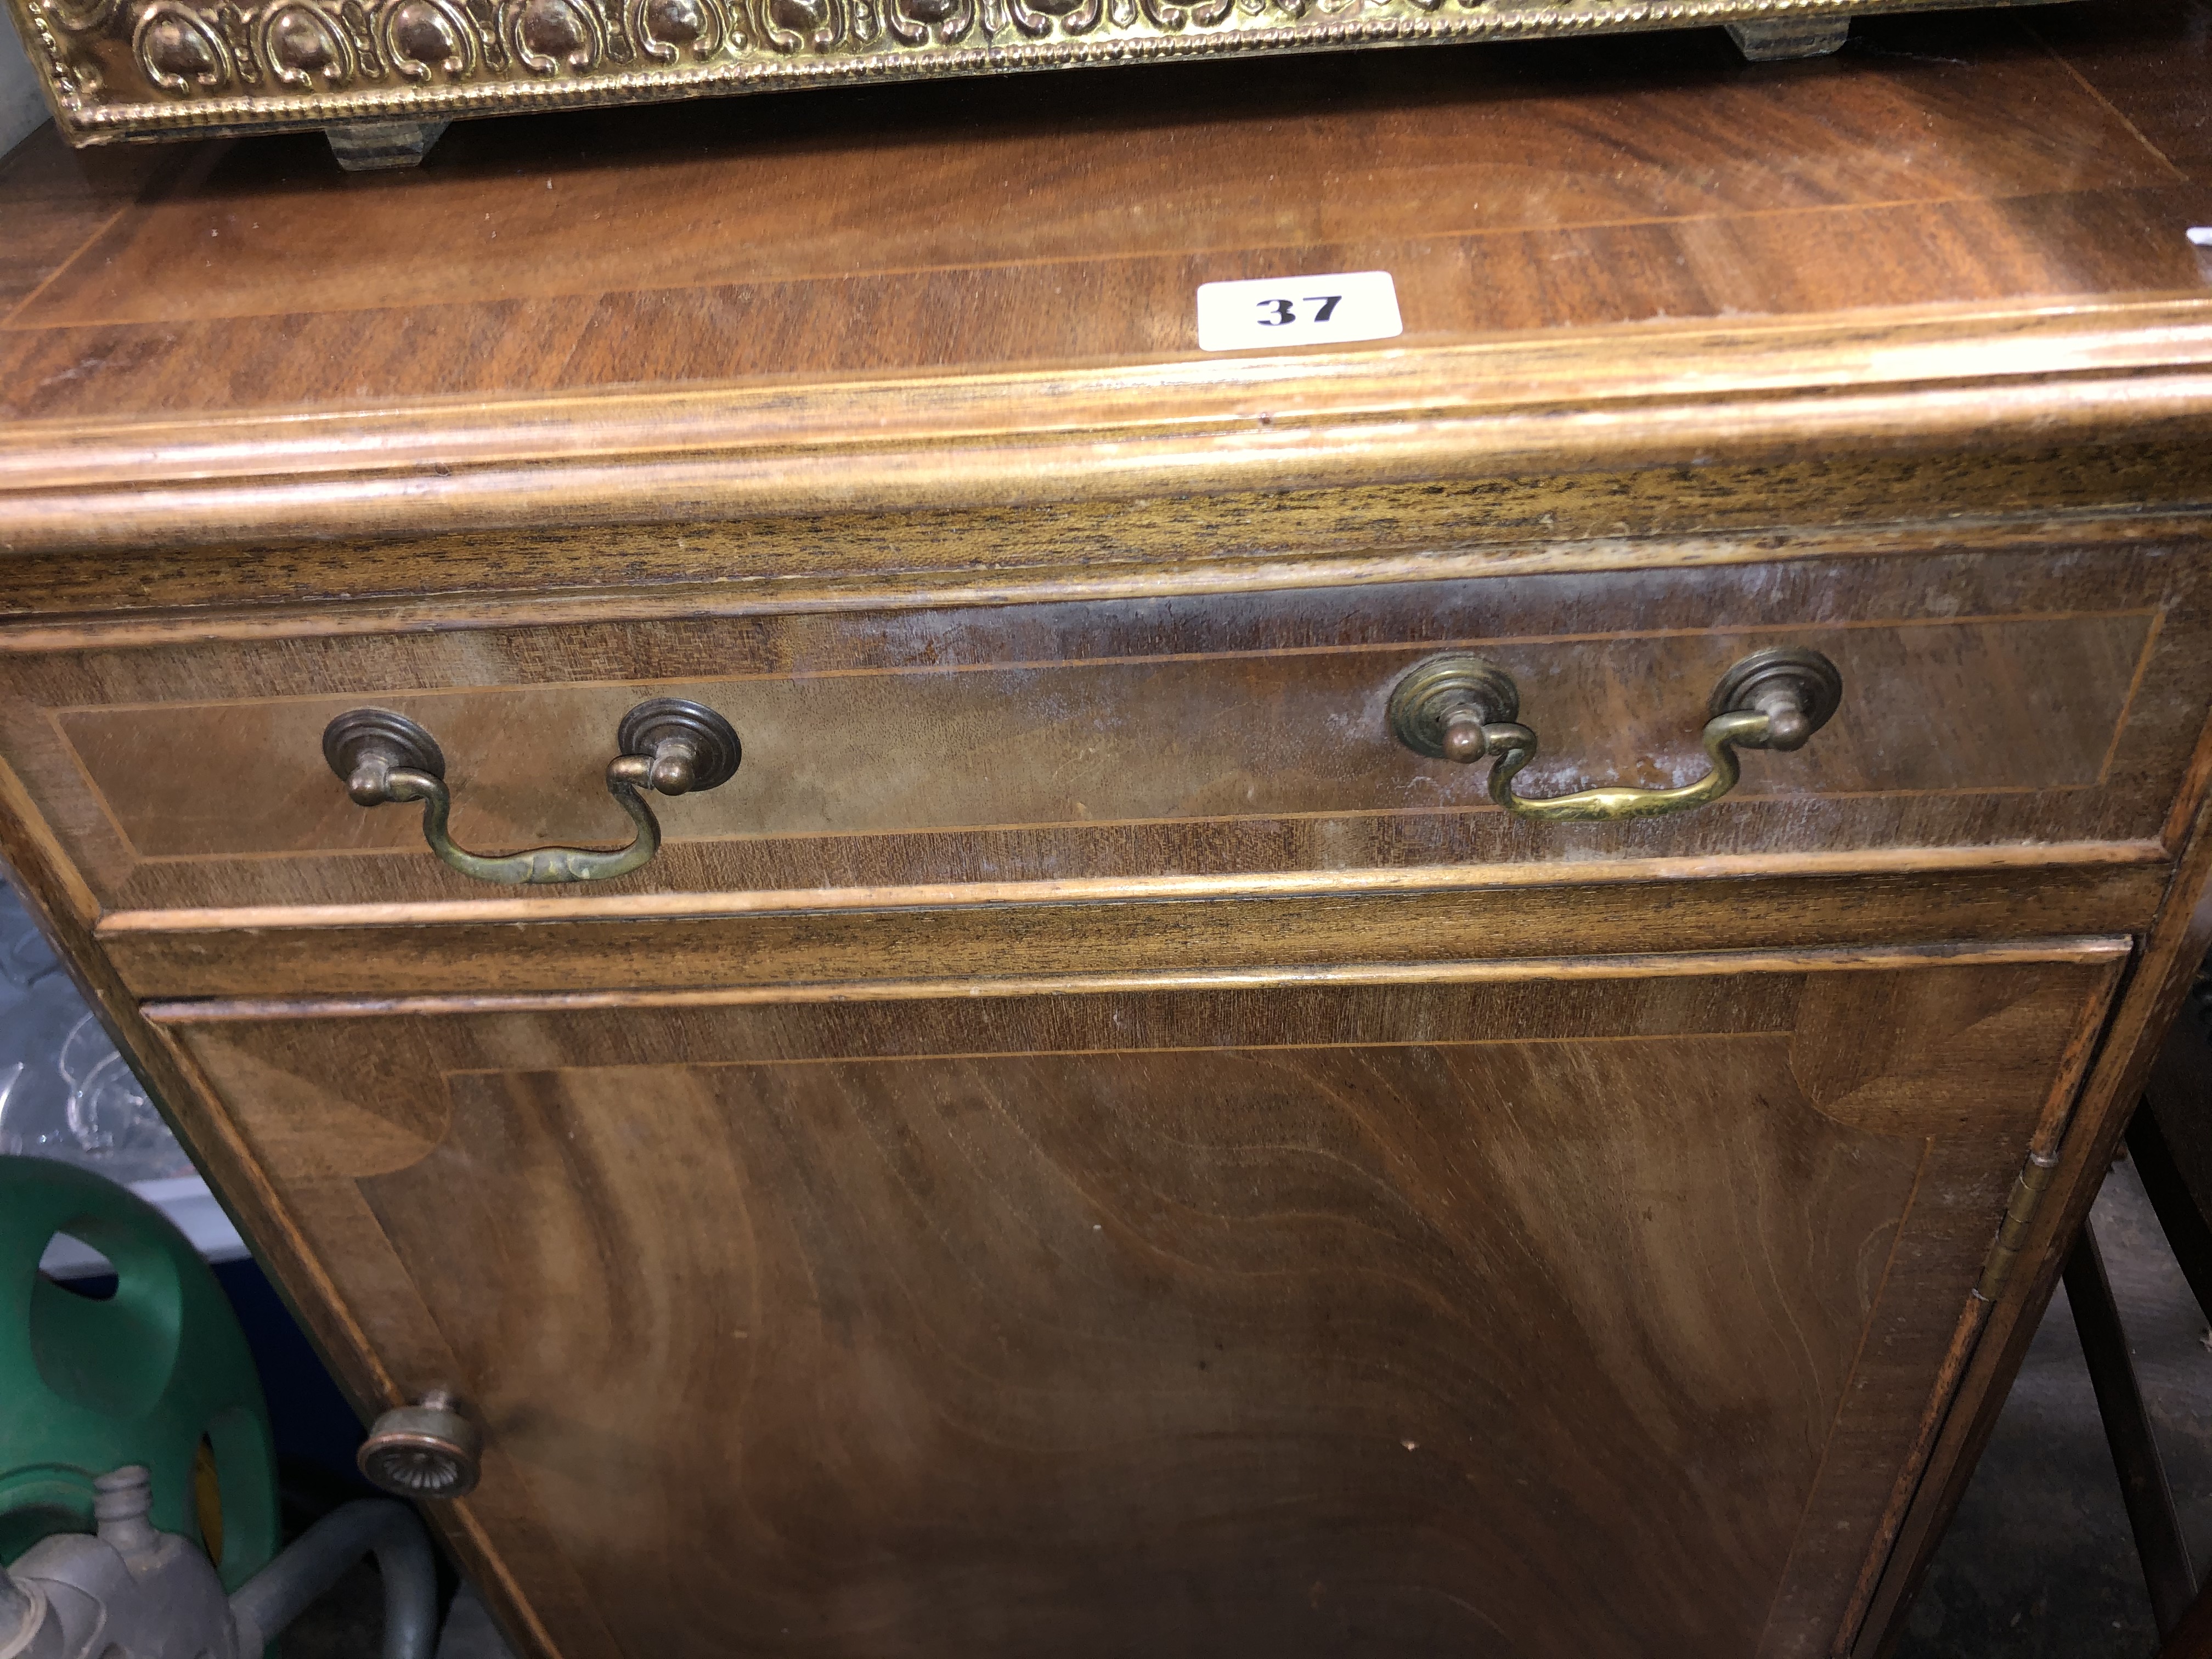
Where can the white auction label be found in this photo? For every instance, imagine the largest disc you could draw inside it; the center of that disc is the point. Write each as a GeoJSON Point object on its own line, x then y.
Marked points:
{"type": "Point", "coordinates": [1298, 311]}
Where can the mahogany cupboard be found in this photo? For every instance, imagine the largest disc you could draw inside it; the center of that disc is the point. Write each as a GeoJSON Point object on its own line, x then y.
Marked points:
{"type": "Point", "coordinates": [977, 981]}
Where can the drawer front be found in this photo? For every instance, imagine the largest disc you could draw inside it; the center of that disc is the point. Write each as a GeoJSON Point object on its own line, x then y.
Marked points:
{"type": "Point", "coordinates": [1590, 1317]}
{"type": "Point", "coordinates": [1997, 699]}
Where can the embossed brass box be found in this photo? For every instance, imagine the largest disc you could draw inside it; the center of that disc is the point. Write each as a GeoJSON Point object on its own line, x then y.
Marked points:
{"type": "Point", "coordinates": [383, 76]}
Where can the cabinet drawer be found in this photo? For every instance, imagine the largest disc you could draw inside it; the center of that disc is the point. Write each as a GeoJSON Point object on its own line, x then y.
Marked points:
{"type": "Point", "coordinates": [2028, 696]}
{"type": "Point", "coordinates": [1591, 1315]}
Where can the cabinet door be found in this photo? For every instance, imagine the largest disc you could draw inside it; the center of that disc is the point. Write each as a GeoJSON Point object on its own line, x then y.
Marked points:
{"type": "Point", "coordinates": [1583, 1309]}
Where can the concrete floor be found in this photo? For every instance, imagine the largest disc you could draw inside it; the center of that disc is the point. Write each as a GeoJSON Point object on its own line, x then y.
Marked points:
{"type": "Point", "coordinates": [2039, 1563]}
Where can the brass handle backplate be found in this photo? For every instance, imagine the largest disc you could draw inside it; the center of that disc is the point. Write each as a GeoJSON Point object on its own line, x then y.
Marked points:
{"type": "Point", "coordinates": [668, 745]}
{"type": "Point", "coordinates": [1458, 706]}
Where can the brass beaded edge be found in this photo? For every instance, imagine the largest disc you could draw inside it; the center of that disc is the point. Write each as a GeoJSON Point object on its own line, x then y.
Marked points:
{"type": "Point", "coordinates": [104, 122]}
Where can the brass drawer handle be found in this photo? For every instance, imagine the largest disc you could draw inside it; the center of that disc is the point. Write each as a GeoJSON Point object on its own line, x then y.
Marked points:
{"type": "Point", "coordinates": [1458, 706]}
{"type": "Point", "coordinates": [670, 745]}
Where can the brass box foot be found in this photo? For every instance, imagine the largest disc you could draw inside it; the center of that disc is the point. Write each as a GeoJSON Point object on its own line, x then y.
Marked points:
{"type": "Point", "coordinates": [374, 146]}
{"type": "Point", "coordinates": [1793, 37]}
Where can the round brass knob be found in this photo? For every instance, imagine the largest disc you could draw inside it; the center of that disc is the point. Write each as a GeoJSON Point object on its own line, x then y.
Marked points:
{"type": "Point", "coordinates": [427, 1449]}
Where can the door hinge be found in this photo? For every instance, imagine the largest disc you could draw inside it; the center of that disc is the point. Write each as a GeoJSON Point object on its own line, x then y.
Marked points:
{"type": "Point", "coordinates": [2027, 1190]}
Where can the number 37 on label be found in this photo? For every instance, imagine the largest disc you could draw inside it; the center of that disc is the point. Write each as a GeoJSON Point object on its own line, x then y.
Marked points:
{"type": "Point", "coordinates": [1298, 311]}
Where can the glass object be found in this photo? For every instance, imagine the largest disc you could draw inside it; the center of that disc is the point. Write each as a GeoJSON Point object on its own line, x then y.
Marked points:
{"type": "Point", "coordinates": [65, 1092]}
{"type": "Point", "coordinates": [25, 955]}
{"type": "Point", "coordinates": [112, 1121]}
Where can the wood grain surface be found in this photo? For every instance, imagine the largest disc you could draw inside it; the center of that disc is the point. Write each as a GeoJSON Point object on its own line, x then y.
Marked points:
{"type": "Point", "coordinates": [857, 264]}
{"type": "Point", "coordinates": [1329, 1321]}
{"type": "Point", "coordinates": [1537, 186]}
{"type": "Point", "coordinates": [873, 942]}
{"type": "Point", "coordinates": [2043, 698]}
{"type": "Point", "coordinates": [1075, 988]}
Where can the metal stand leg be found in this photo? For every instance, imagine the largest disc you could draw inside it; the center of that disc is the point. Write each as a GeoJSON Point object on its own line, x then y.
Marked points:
{"type": "Point", "coordinates": [2187, 1234]}
{"type": "Point", "coordinates": [1793, 37]}
{"type": "Point", "coordinates": [2158, 1540]}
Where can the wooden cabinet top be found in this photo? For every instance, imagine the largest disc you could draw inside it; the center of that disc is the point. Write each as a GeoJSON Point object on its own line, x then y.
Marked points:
{"type": "Point", "coordinates": [903, 295]}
